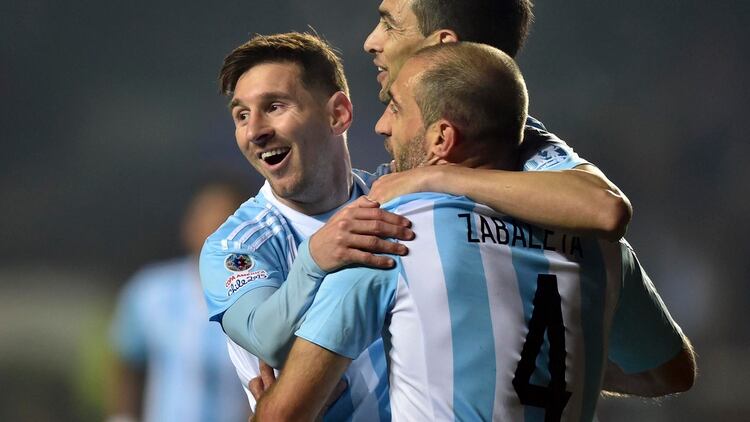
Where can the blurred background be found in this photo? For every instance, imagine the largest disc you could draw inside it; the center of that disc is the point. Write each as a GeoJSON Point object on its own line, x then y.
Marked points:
{"type": "Point", "coordinates": [109, 117]}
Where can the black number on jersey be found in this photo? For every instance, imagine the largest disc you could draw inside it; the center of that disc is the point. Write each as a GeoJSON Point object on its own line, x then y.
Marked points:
{"type": "Point", "coordinates": [547, 316]}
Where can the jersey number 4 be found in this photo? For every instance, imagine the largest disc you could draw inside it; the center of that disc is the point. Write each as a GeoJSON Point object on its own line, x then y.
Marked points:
{"type": "Point", "coordinates": [547, 316]}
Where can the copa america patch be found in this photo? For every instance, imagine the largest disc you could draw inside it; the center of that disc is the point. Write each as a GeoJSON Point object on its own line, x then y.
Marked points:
{"type": "Point", "coordinates": [239, 280]}
{"type": "Point", "coordinates": [237, 262]}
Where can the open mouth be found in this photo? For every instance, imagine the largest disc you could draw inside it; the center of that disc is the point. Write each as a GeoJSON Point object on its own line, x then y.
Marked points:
{"type": "Point", "coordinates": [382, 74]}
{"type": "Point", "coordinates": [274, 156]}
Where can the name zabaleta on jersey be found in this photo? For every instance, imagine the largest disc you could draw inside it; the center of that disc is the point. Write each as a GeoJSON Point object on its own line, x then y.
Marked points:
{"type": "Point", "coordinates": [518, 234]}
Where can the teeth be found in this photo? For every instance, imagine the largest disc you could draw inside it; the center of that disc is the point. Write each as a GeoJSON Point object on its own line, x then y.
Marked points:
{"type": "Point", "coordinates": [273, 152]}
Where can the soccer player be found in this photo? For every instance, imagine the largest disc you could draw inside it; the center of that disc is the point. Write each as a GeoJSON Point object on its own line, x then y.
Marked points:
{"type": "Point", "coordinates": [466, 315]}
{"type": "Point", "coordinates": [578, 197]}
{"type": "Point", "coordinates": [290, 106]}
{"type": "Point", "coordinates": [169, 361]}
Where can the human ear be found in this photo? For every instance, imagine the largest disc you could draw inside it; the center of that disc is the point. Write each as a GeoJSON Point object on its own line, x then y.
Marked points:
{"type": "Point", "coordinates": [443, 138]}
{"type": "Point", "coordinates": [340, 112]}
{"type": "Point", "coordinates": [442, 36]}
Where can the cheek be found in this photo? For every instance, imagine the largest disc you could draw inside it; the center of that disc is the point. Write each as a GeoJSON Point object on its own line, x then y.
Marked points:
{"type": "Point", "coordinates": [239, 137]}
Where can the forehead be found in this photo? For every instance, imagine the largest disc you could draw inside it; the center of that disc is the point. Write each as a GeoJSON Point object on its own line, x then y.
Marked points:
{"type": "Point", "coordinates": [281, 77]}
{"type": "Point", "coordinates": [400, 10]}
{"type": "Point", "coordinates": [407, 79]}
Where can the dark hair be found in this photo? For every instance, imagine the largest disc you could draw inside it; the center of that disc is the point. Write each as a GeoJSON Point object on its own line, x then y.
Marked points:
{"type": "Point", "coordinates": [476, 87]}
{"type": "Point", "coordinates": [320, 65]}
{"type": "Point", "coordinates": [503, 24]}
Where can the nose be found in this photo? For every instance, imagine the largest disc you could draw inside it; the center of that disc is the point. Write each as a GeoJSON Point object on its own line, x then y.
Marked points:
{"type": "Point", "coordinates": [373, 43]}
{"type": "Point", "coordinates": [383, 126]}
{"type": "Point", "coordinates": [258, 130]}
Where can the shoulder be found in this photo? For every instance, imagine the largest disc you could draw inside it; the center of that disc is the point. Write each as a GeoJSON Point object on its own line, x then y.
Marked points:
{"type": "Point", "coordinates": [368, 178]}
{"type": "Point", "coordinates": [158, 274]}
{"type": "Point", "coordinates": [249, 228]}
{"type": "Point", "coordinates": [425, 202]}
{"type": "Point", "coordinates": [253, 248]}
{"type": "Point", "coordinates": [542, 150]}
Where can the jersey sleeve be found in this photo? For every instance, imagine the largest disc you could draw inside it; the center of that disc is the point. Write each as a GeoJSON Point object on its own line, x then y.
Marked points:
{"type": "Point", "coordinates": [349, 310]}
{"type": "Point", "coordinates": [644, 336]}
{"type": "Point", "coordinates": [263, 321]}
{"type": "Point", "coordinates": [542, 150]}
{"type": "Point", "coordinates": [241, 256]}
{"type": "Point", "coordinates": [370, 177]}
{"type": "Point", "coordinates": [128, 336]}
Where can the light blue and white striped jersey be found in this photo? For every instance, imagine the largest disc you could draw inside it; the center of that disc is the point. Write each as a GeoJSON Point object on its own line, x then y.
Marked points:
{"type": "Point", "coordinates": [161, 325]}
{"type": "Point", "coordinates": [268, 233]}
{"type": "Point", "coordinates": [489, 318]}
{"type": "Point", "coordinates": [264, 235]}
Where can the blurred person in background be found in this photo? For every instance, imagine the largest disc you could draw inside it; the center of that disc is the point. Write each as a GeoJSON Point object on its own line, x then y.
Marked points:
{"type": "Point", "coordinates": [170, 362]}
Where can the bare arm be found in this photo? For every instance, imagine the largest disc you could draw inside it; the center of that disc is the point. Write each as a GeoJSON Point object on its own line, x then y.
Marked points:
{"type": "Point", "coordinates": [580, 200]}
{"type": "Point", "coordinates": [675, 376]}
{"type": "Point", "coordinates": [309, 377]}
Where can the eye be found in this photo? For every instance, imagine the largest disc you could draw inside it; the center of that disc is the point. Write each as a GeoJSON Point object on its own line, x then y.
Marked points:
{"type": "Point", "coordinates": [392, 107]}
{"type": "Point", "coordinates": [241, 116]}
{"type": "Point", "coordinates": [275, 107]}
{"type": "Point", "coordinates": [386, 26]}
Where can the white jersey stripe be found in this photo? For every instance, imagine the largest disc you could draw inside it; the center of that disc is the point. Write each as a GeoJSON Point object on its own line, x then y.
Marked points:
{"type": "Point", "coordinates": [420, 299]}
{"type": "Point", "coordinates": [244, 224]}
{"type": "Point", "coordinates": [509, 328]}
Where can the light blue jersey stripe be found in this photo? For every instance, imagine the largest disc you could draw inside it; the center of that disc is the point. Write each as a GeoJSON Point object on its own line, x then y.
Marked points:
{"type": "Point", "coordinates": [171, 365]}
{"type": "Point", "coordinates": [473, 374]}
{"type": "Point", "coordinates": [529, 263]}
{"type": "Point", "coordinates": [377, 356]}
{"type": "Point", "coordinates": [210, 404]}
{"type": "Point", "coordinates": [593, 290]}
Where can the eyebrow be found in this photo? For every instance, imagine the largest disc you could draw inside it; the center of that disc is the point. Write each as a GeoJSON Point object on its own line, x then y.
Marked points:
{"type": "Point", "coordinates": [234, 103]}
{"type": "Point", "coordinates": [386, 15]}
{"type": "Point", "coordinates": [266, 96]}
{"type": "Point", "coordinates": [393, 99]}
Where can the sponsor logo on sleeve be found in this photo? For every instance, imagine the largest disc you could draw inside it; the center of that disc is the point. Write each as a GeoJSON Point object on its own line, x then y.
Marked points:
{"type": "Point", "coordinates": [239, 280]}
{"type": "Point", "coordinates": [237, 262]}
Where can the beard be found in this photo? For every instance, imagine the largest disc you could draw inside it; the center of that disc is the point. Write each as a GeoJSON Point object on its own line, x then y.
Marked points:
{"type": "Point", "coordinates": [412, 155]}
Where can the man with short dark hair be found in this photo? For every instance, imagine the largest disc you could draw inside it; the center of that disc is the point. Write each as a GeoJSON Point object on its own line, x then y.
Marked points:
{"type": "Point", "coordinates": [575, 197]}
{"type": "Point", "coordinates": [259, 272]}
{"type": "Point", "coordinates": [465, 315]}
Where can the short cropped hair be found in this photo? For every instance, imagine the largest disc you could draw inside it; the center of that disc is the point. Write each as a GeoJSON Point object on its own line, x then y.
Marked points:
{"type": "Point", "coordinates": [321, 67]}
{"type": "Point", "coordinates": [476, 87]}
{"type": "Point", "coordinates": [503, 24]}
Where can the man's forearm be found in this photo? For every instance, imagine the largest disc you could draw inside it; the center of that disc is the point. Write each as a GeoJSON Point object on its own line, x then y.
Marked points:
{"type": "Point", "coordinates": [309, 376]}
{"type": "Point", "coordinates": [675, 376]}
{"type": "Point", "coordinates": [581, 200]}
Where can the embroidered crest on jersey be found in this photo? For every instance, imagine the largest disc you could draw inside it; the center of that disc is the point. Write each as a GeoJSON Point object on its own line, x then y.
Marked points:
{"type": "Point", "coordinates": [238, 262]}
{"type": "Point", "coordinates": [547, 157]}
{"type": "Point", "coordinates": [237, 281]}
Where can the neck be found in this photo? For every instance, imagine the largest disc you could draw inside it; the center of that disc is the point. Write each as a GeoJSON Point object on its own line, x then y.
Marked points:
{"type": "Point", "coordinates": [486, 159]}
{"type": "Point", "coordinates": [328, 192]}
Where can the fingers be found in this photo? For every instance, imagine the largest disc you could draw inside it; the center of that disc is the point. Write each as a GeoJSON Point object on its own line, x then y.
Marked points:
{"type": "Point", "coordinates": [256, 387]}
{"type": "Point", "coordinates": [374, 244]}
{"type": "Point", "coordinates": [380, 215]}
{"type": "Point", "coordinates": [381, 229]}
{"type": "Point", "coordinates": [267, 374]}
{"type": "Point", "coordinates": [364, 202]}
{"type": "Point", "coordinates": [370, 260]}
